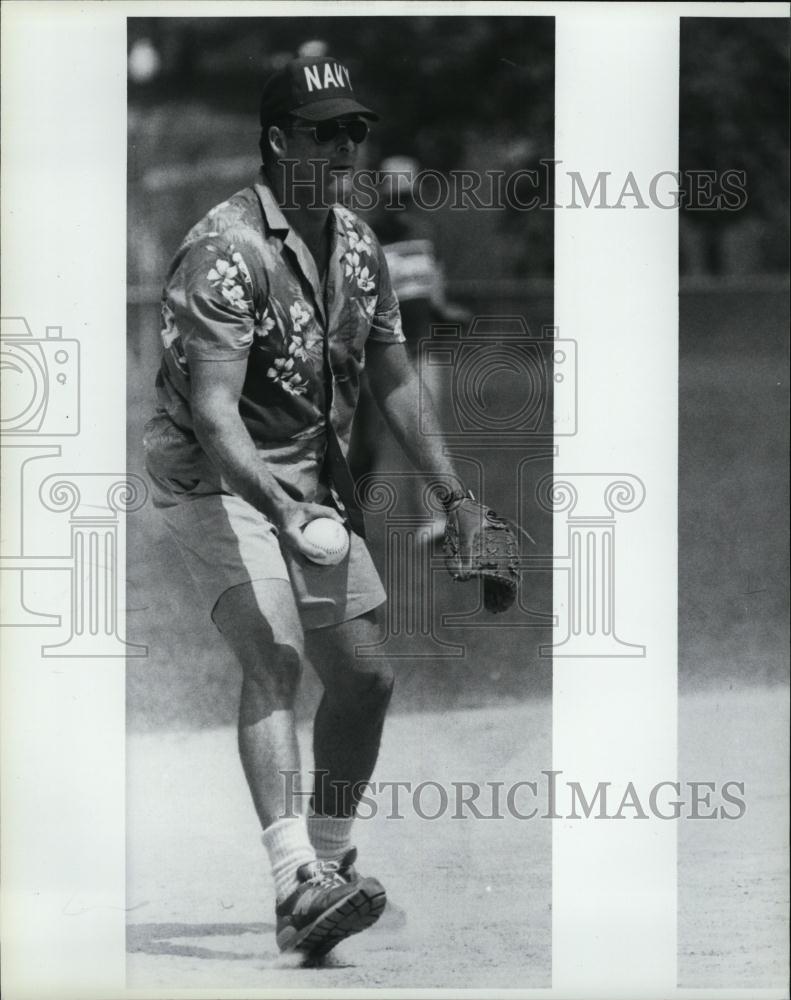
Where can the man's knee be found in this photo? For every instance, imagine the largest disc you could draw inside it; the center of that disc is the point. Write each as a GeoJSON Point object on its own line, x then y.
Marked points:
{"type": "Point", "coordinates": [369, 690]}
{"type": "Point", "coordinates": [260, 624]}
{"type": "Point", "coordinates": [274, 669]}
{"type": "Point", "coordinates": [383, 683]}
{"type": "Point", "coordinates": [375, 681]}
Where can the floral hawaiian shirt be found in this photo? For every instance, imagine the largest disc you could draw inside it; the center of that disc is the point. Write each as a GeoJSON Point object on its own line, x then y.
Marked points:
{"type": "Point", "coordinates": [243, 285]}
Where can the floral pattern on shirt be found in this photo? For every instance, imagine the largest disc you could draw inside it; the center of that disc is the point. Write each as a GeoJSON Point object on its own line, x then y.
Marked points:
{"type": "Point", "coordinates": [357, 266]}
{"type": "Point", "coordinates": [266, 324]}
{"type": "Point", "coordinates": [170, 336]}
{"type": "Point", "coordinates": [284, 373]}
{"type": "Point", "coordinates": [230, 276]}
{"type": "Point", "coordinates": [302, 342]}
{"type": "Point", "coordinates": [299, 316]}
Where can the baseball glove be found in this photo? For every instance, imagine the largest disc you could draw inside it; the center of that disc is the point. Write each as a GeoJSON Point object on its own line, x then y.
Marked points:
{"type": "Point", "coordinates": [480, 545]}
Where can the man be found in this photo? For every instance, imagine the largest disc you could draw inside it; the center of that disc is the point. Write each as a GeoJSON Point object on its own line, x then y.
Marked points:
{"type": "Point", "coordinates": [273, 304]}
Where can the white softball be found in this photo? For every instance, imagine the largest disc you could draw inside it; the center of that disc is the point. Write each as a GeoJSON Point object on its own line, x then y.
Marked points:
{"type": "Point", "coordinates": [329, 536]}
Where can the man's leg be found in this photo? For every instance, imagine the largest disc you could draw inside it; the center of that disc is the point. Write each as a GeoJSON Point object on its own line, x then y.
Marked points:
{"type": "Point", "coordinates": [348, 727]}
{"type": "Point", "coordinates": [316, 908]}
{"type": "Point", "coordinates": [260, 622]}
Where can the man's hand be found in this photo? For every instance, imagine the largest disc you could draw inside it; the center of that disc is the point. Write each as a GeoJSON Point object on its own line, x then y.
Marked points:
{"type": "Point", "coordinates": [290, 521]}
{"type": "Point", "coordinates": [479, 545]}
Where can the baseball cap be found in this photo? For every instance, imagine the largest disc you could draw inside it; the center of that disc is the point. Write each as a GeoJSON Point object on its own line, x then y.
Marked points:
{"type": "Point", "coordinates": [314, 88]}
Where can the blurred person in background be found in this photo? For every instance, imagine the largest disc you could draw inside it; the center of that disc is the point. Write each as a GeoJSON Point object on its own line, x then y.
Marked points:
{"type": "Point", "coordinates": [274, 303]}
{"type": "Point", "coordinates": [406, 233]}
{"type": "Point", "coordinates": [407, 237]}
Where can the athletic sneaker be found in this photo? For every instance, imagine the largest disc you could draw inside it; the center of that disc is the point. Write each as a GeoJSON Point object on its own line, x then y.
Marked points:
{"type": "Point", "coordinates": [392, 914]}
{"type": "Point", "coordinates": [346, 868]}
{"type": "Point", "coordinates": [327, 906]}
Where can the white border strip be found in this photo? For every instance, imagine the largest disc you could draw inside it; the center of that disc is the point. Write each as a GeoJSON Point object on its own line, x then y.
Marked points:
{"type": "Point", "coordinates": [64, 210]}
{"type": "Point", "coordinates": [616, 274]}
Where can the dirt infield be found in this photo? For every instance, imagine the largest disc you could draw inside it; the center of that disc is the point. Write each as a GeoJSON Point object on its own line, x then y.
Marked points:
{"type": "Point", "coordinates": [471, 898]}
{"type": "Point", "coordinates": [733, 876]}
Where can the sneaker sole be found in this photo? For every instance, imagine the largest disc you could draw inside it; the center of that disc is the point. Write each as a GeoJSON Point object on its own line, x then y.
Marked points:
{"type": "Point", "coordinates": [357, 912]}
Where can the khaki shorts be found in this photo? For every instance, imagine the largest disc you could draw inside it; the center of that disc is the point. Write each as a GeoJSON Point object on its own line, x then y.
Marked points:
{"type": "Point", "coordinates": [226, 542]}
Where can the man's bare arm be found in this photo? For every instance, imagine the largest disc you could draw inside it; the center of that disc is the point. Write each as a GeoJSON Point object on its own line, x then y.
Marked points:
{"type": "Point", "coordinates": [396, 387]}
{"type": "Point", "coordinates": [216, 388]}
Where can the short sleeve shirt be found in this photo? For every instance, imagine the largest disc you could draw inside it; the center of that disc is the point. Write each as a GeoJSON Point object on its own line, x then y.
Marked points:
{"type": "Point", "coordinates": [244, 286]}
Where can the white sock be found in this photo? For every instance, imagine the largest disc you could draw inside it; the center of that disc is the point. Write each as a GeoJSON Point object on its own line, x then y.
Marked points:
{"type": "Point", "coordinates": [330, 837]}
{"type": "Point", "coordinates": [288, 846]}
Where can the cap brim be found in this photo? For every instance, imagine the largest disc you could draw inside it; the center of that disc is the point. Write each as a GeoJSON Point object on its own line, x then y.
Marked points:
{"type": "Point", "coordinates": [334, 107]}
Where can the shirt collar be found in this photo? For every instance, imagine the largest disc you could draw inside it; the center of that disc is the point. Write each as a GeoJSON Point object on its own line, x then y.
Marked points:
{"type": "Point", "coordinates": [275, 219]}
{"type": "Point", "coordinates": [276, 222]}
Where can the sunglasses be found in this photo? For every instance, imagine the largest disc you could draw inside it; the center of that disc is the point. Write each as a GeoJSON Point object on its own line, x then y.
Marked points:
{"type": "Point", "coordinates": [326, 131]}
